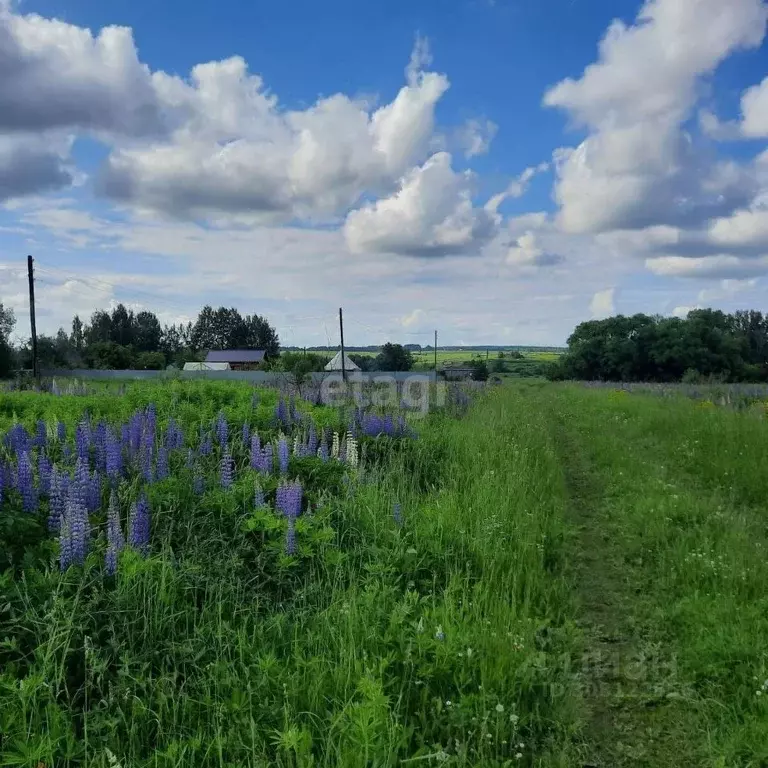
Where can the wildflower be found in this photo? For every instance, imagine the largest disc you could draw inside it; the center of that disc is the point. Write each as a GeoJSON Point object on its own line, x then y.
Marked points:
{"type": "Point", "coordinates": [499, 708]}
{"type": "Point", "coordinates": [255, 450]}
{"type": "Point", "coordinates": [439, 634]}
{"type": "Point", "coordinates": [518, 755]}
{"type": "Point", "coordinates": [222, 429]}
{"type": "Point", "coordinates": [335, 446]}
{"type": "Point", "coordinates": [281, 412]}
{"type": "Point", "coordinates": [44, 474]}
{"type": "Point", "coordinates": [290, 538]}
{"type": "Point", "coordinates": [312, 440]}
{"type": "Point", "coordinates": [227, 470]}
{"type": "Point", "coordinates": [146, 464]}
{"type": "Point", "coordinates": [25, 483]}
{"type": "Point", "coordinates": [115, 538]}
{"type": "Point", "coordinates": [258, 497]}
{"type": "Point", "coordinates": [139, 525]}
{"type": "Point", "coordinates": [79, 529]}
{"type": "Point", "coordinates": [514, 719]}
{"type": "Point", "coordinates": [61, 432]}
{"type": "Point", "coordinates": [161, 467]}
{"type": "Point", "coordinates": [58, 499]}
{"type": "Point", "coordinates": [397, 513]}
{"type": "Point", "coordinates": [206, 445]}
{"type": "Point", "coordinates": [246, 433]}
{"type": "Point", "coordinates": [114, 457]}
{"type": "Point", "coordinates": [83, 440]}
{"type": "Point", "coordinates": [41, 434]}
{"type": "Point", "coordinates": [288, 499]}
{"type": "Point", "coordinates": [352, 458]}
{"type": "Point", "coordinates": [282, 454]}
{"type": "Point", "coordinates": [65, 544]}
{"type": "Point", "coordinates": [93, 494]}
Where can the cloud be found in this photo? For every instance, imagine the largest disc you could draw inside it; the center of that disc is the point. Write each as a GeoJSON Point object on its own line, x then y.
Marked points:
{"type": "Point", "coordinates": [717, 266]}
{"type": "Point", "coordinates": [527, 252]}
{"type": "Point", "coordinates": [30, 164]}
{"type": "Point", "coordinates": [475, 137]}
{"type": "Point", "coordinates": [754, 110]}
{"type": "Point", "coordinates": [637, 167]}
{"type": "Point", "coordinates": [55, 75]}
{"type": "Point", "coordinates": [517, 187]}
{"type": "Point", "coordinates": [682, 312]}
{"type": "Point", "coordinates": [412, 319]}
{"type": "Point", "coordinates": [240, 153]}
{"type": "Point", "coordinates": [602, 304]}
{"type": "Point", "coordinates": [431, 214]}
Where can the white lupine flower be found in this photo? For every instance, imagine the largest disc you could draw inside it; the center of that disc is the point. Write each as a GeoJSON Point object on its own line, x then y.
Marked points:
{"type": "Point", "coordinates": [295, 445]}
{"type": "Point", "coordinates": [352, 457]}
{"type": "Point", "coordinates": [335, 445]}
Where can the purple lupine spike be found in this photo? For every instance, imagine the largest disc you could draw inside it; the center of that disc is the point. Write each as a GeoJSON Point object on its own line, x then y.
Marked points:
{"type": "Point", "coordinates": [61, 431]}
{"type": "Point", "coordinates": [397, 513]}
{"type": "Point", "coordinates": [83, 440]}
{"type": "Point", "coordinates": [161, 467]}
{"type": "Point", "coordinates": [222, 429]}
{"type": "Point", "coordinates": [288, 499]}
{"type": "Point", "coordinates": [282, 454]}
{"type": "Point", "coordinates": [206, 447]}
{"type": "Point", "coordinates": [290, 537]}
{"type": "Point", "coordinates": [150, 423]}
{"type": "Point", "coordinates": [58, 502]}
{"type": "Point", "coordinates": [41, 434]}
{"type": "Point", "coordinates": [246, 433]}
{"type": "Point", "coordinates": [115, 538]}
{"type": "Point", "coordinates": [25, 483]}
{"type": "Point", "coordinates": [322, 452]}
{"type": "Point", "coordinates": [135, 427]}
{"type": "Point", "coordinates": [227, 470]}
{"type": "Point", "coordinates": [281, 412]}
{"type": "Point", "coordinates": [94, 492]}
{"type": "Point", "coordinates": [17, 439]}
{"type": "Point", "coordinates": [255, 450]}
{"type": "Point", "coordinates": [65, 543]}
{"type": "Point", "coordinates": [146, 464]}
{"type": "Point", "coordinates": [267, 459]}
{"type": "Point", "coordinates": [139, 526]}
{"type": "Point", "coordinates": [198, 483]}
{"type": "Point", "coordinates": [312, 440]}
{"type": "Point", "coordinates": [113, 456]}
{"type": "Point", "coordinates": [44, 474]}
{"type": "Point", "coordinates": [258, 496]}
{"type": "Point", "coordinates": [80, 485]}
{"type": "Point", "coordinates": [78, 527]}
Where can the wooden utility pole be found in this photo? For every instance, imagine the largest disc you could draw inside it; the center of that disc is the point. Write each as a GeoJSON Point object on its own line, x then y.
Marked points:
{"type": "Point", "coordinates": [435, 351]}
{"type": "Point", "coordinates": [341, 330]}
{"type": "Point", "coordinates": [31, 274]}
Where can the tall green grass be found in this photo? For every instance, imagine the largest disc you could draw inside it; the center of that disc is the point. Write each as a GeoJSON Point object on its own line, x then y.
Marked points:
{"type": "Point", "coordinates": [446, 640]}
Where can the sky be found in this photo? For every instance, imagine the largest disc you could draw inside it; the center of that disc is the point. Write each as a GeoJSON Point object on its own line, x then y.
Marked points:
{"type": "Point", "coordinates": [495, 170]}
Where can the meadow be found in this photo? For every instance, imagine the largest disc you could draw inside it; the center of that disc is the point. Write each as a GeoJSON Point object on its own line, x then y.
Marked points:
{"type": "Point", "coordinates": [209, 574]}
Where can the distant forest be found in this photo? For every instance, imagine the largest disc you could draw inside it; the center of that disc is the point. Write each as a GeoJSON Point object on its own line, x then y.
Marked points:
{"type": "Point", "coordinates": [707, 345]}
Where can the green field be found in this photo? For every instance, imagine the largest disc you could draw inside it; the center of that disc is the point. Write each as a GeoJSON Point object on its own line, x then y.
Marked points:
{"type": "Point", "coordinates": [573, 577]}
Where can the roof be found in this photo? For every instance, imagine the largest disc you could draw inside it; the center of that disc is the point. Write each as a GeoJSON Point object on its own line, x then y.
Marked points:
{"type": "Point", "coordinates": [235, 356]}
{"type": "Point", "coordinates": [206, 366]}
{"type": "Point", "coordinates": [335, 364]}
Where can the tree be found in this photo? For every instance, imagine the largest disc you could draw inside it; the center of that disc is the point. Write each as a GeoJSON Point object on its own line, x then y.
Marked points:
{"type": "Point", "coordinates": [123, 328]}
{"type": "Point", "coordinates": [479, 370]}
{"type": "Point", "coordinates": [7, 323]}
{"type": "Point", "coordinates": [394, 357]}
{"type": "Point", "coordinates": [99, 329]}
{"type": "Point", "coordinates": [261, 335]}
{"type": "Point", "coordinates": [150, 361]}
{"type": "Point", "coordinates": [108, 355]}
{"type": "Point", "coordinates": [147, 332]}
{"type": "Point", "coordinates": [77, 338]}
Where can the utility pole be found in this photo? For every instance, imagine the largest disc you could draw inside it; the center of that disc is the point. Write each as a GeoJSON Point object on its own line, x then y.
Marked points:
{"type": "Point", "coordinates": [343, 365]}
{"type": "Point", "coordinates": [435, 351]}
{"type": "Point", "coordinates": [31, 274]}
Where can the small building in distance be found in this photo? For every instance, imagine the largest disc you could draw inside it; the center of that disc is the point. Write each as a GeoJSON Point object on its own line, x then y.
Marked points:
{"type": "Point", "coordinates": [335, 364]}
{"type": "Point", "coordinates": [207, 367]}
{"type": "Point", "coordinates": [237, 359]}
{"type": "Point", "coordinates": [456, 371]}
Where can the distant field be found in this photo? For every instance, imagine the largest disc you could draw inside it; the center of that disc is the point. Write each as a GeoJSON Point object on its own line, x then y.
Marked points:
{"type": "Point", "coordinates": [426, 357]}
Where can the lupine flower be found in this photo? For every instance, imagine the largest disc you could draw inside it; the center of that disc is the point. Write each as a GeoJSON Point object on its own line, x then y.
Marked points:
{"type": "Point", "coordinates": [65, 543]}
{"type": "Point", "coordinates": [397, 513]}
{"type": "Point", "coordinates": [83, 440]}
{"type": "Point", "coordinates": [198, 484]}
{"type": "Point", "coordinates": [255, 450]}
{"type": "Point", "coordinates": [335, 446]}
{"type": "Point", "coordinates": [58, 502]}
{"type": "Point", "coordinates": [352, 456]}
{"type": "Point", "coordinates": [80, 485]}
{"type": "Point", "coordinates": [258, 497]}
{"type": "Point", "coordinates": [115, 538]}
{"type": "Point", "coordinates": [288, 499]}
{"type": "Point", "coordinates": [206, 446]}
{"type": "Point", "coordinates": [222, 429]}
{"type": "Point", "coordinates": [265, 460]}
{"type": "Point", "coordinates": [174, 436]}
{"type": "Point", "coordinates": [150, 423]}
{"type": "Point", "coordinates": [17, 439]}
{"type": "Point", "coordinates": [139, 525]}
{"type": "Point", "coordinates": [312, 440]}
{"type": "Point", "coordinates": [44, 474]}
{"type": "Point", "coordinates": [79, 530]}
{"type": "Point", "coordinates": [282, 454]}
{"type": "Point", "coordinates": [100, 446]}
{"type": "Point", "coordinates": [146, 464]}
{"type": "Point", "coordinates": [113, 457]}
{"type": "Point", "coordinates": [25, 483]}
{"type": "Point", "coordinates": [61, 431]}
{"type": "Point", "coordinates": [161, 467]}
{"type": "Point", "coordinates": [94, 492]}
{"type": "Point", "coordinates": [227, 470]}
{"type": "Point", "coordinates": [41, 434]}
{"type": "Point", "coordinates": [281, 412]}
{"type": "Point", "coordinates": [290, 538]}
{"type": "Point", "coordinates": [246, 433]}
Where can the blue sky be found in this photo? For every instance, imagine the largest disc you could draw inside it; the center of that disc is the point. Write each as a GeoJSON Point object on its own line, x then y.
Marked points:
{"type": "Point", "coordinates": [518, 176]}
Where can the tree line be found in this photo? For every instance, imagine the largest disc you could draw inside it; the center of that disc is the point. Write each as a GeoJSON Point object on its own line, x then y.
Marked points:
{"type": "Point", "coordinates": [121, 339]}
{"type": "Point", "coordinates": [707, 344]}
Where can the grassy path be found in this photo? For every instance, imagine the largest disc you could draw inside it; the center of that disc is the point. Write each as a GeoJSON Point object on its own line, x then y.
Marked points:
{"type": "Point", "coordinates": [668, 563]}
